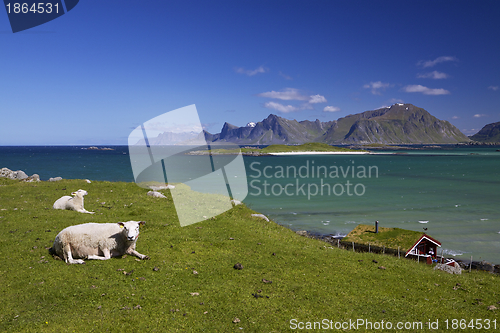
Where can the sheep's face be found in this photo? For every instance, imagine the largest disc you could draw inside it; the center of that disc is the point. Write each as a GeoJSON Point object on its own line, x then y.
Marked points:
{"type": "Point", "coordinates": [131, 229]}
{"type": "Point", "coordinates": [80, 193]}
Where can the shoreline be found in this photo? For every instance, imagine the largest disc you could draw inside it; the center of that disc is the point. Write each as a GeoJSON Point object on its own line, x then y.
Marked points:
{"type": "Point", "coordinates": [491, 267]}
{"type": "Point", "coordinates": [321, 153]}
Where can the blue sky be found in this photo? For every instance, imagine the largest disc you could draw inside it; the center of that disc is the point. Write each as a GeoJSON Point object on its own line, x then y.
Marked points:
{"type": "Point", "coordinates": [91, 76]}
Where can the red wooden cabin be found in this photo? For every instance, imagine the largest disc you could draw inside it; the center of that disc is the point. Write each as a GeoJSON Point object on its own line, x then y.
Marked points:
{"type": "Point", "coordinates": [425, 247]}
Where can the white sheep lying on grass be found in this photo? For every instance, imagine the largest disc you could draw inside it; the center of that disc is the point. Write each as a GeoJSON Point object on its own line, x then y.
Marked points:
{"type": "Point", "coordinates": [97, 241]}
{"type": "Point", "coordinates": [72, 203]}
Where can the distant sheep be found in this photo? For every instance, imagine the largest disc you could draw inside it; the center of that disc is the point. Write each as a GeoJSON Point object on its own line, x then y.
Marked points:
{"type": "Point", "coordinates": [156, 194]}
{"type": "Point", "coordinates": [262, 216]}
{"type": "Point", "coordinates": [100, 241]}
{"type": "Point", "coordinates": [72, 203]}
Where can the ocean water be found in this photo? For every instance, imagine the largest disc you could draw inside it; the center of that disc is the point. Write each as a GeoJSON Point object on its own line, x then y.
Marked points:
{"type": "Point", "coordinates": [453, 192]}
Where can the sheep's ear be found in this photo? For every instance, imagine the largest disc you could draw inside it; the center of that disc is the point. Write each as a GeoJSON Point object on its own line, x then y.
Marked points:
{"type": "Point", "coordinates": [142, 223]}
{"type": "Point", "coordinates": [121, 224]}
{"type": "Point", "coordinates": [73, 193]}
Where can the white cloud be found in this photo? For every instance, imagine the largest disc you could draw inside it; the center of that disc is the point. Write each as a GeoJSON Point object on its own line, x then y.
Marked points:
{"type": "Point", "coordinates": [455, 117]}
{"type": "Point", "coordinates": [286, 77]}
{"type": "Point", "coordinates": [313, 99]}
{"type": "Point", "coordinates": [306, 106]}
{"type": "Point", "coordinates": [477, 115]}
{"type": "Point", "coordinates": [291, 94]}
{"type": "Point", "coordinates": [173, 127]}
{"type": "Point", "coordinates": [433, 75]}
{"type": "Point", "coordinates": [249, 72]}
{"type": "Point", "coordinates": [395, 100]}
{"type": "Point", "coordinates": [392, 101]}
{"type": "Point", "coordinates": [471, 131]}
{"type": "Point", "coordinates": [207, 126]}
{"type": "Point", "coordinates": [376, 87]}
{"type": "Point", "coordinates": [424, 90]}
{"type": "Point", "coordinates": [288, 94]}
{"type": "Point", "coordinates": [280, 107]}
{"type": "Point", "coordinates": [494, 88]}
{"type": "Point", "coordinates": [432, 63]}
{"type": "Point", "coordinates": [331, 109]}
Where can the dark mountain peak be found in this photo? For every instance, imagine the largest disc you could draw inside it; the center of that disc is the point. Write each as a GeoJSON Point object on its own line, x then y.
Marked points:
{"type": "Point", "coordinates": [273, 122]}
{"type": "Point", "coordinates": [271, 119]}
{"type": "Point", "coordinates": [226, 128]}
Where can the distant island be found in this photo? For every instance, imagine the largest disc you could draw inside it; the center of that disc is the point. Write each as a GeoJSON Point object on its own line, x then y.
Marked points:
{"type": "Point", "coordinates": [396, 124]}
{"type": "Point", "coordinates": [98, 148]}
{"type": "Point", "coordinates": [307, 148]}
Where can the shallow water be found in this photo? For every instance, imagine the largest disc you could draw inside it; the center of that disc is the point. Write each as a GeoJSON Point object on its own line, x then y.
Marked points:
{"type": "Point", "coordinates": [456, 190]}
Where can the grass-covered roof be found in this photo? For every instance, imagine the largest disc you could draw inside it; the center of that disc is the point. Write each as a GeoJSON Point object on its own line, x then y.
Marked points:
{"type": "Point", "coordinates": [388, 237]}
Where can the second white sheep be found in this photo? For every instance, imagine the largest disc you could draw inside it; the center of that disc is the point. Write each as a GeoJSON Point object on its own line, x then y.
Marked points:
{"type": "Point", "coordinates": [72, 203]}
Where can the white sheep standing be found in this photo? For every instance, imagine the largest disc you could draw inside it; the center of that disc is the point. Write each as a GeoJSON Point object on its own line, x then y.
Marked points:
{"type": "Point", "coordinates": [72, 203]}
{"type": "Point", "coordinates": [100, 241]}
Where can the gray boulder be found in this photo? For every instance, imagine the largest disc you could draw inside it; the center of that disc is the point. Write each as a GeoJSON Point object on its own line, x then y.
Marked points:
{"type": "Point", "coordinates": [55, 179]}
{"type": "Point", "coordinates": [7, 173]}
{"type": "Point", "coordinates": [33, 178]}
{"type": "Point", "coordinates": [455, 269]}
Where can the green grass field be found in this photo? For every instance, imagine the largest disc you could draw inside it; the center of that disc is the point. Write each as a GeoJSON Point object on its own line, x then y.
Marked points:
{"type": "Point", "coordinates": [306, 147]}
{"type": "Point", "coordinates": [310, 280]}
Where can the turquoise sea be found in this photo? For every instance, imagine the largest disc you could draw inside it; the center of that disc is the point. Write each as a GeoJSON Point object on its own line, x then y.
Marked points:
{"type": "Point", "coordinates": [454, 192]}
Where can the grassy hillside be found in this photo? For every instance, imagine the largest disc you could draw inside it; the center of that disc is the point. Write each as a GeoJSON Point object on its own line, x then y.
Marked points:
{"type": "Point", "coordinates": [284, 276]}
{"type": "Point", "coordinates": [306, 147]}
{"type": "Point", "coordinates": [489, 133]}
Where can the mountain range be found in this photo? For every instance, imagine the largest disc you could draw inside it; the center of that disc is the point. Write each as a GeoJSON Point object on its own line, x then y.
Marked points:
{"type": "Point", "coordinates": [397, 124]}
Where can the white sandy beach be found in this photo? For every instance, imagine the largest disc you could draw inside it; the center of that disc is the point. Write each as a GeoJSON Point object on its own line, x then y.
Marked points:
{"type": "Point", "coordinates": [323, 153]}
